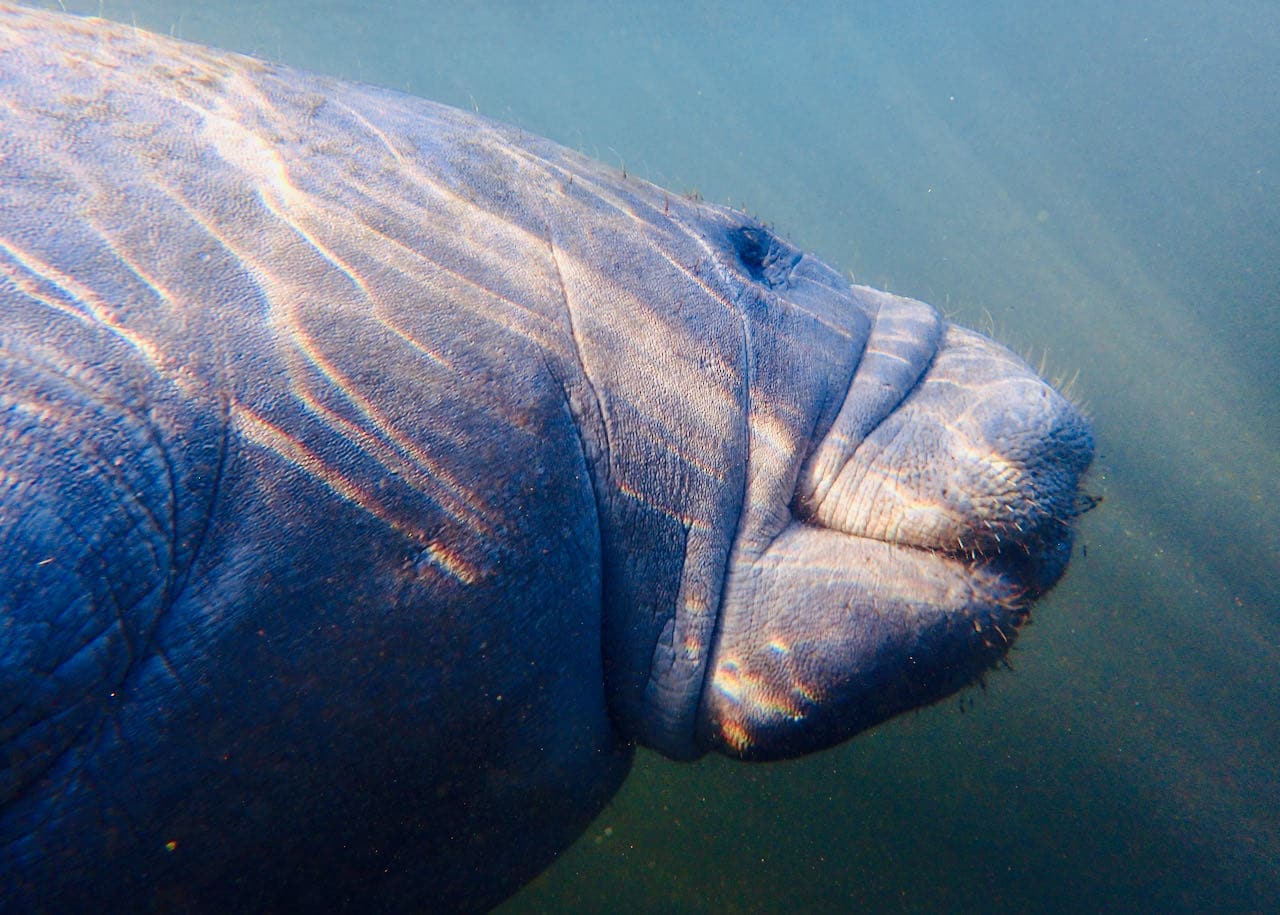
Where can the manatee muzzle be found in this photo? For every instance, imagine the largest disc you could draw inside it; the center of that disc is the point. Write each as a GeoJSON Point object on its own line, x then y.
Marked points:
{"type": "Point", "coordinates": [935, 509]}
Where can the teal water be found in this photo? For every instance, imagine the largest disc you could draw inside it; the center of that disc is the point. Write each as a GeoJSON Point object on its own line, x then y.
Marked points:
{"type": "Point", "coordinates": [1096, 184]}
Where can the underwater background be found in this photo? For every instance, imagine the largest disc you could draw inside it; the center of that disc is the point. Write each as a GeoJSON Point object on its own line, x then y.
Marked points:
{"type": "Point", "coordinates": [1095, 184]}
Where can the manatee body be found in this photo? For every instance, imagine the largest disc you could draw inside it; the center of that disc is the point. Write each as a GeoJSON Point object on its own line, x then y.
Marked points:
{"type": "Point", "coordinates": [374, 477]}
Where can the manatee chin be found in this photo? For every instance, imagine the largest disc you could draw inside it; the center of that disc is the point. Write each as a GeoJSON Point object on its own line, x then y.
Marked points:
{"type": "Point", "coordinates": [936, 508]}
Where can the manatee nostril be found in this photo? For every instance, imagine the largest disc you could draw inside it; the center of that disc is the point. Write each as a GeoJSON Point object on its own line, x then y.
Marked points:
{"type": "Point", "coordinates": [752, 247]}
{"type": "Point", "coordinates": [766, 258]}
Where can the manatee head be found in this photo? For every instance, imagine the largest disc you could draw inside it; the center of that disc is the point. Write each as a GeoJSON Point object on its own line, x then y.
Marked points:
{"type": "Point", "coordinates": [820, 504]}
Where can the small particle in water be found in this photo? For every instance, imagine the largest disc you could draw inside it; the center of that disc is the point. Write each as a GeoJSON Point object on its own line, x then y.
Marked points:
{"type": "Point", "coordinates": [171, 845]}
{"type": "Point", "coordinates": [1042, 216]}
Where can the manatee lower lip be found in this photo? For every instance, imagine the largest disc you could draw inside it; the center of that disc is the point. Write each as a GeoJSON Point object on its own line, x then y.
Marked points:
{"type": "Point", "coordinates": [1033, 557]}
{"type": "Point", "coordinates": [1034, 564]}
{"type": "Point", "coordinates": [843, 632]}
{"type": "Point", "coordinates": [1036, 568]}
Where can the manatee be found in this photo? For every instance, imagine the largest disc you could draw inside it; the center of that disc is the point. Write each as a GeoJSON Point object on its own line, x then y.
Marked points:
{"type": "Point", "coordinates": [375, 477]}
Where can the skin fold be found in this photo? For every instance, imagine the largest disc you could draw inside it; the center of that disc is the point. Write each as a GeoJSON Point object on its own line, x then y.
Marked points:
{"type": "Point", "coordinates": [374, 477]}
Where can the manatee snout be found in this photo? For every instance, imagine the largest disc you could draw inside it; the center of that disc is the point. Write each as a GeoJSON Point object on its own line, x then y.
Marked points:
{"type": "Point", "coordinates": [981, 461]}
{"type": "Point", "coordinates": [934, 511]}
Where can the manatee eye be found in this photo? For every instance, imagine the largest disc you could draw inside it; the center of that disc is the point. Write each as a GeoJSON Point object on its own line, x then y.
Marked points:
{"type": "Point", "coordinates": [766, 258]}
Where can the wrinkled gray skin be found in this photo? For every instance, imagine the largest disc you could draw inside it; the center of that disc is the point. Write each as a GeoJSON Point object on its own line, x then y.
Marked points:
{"type": "Point", "coordinates": [373, 477]}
